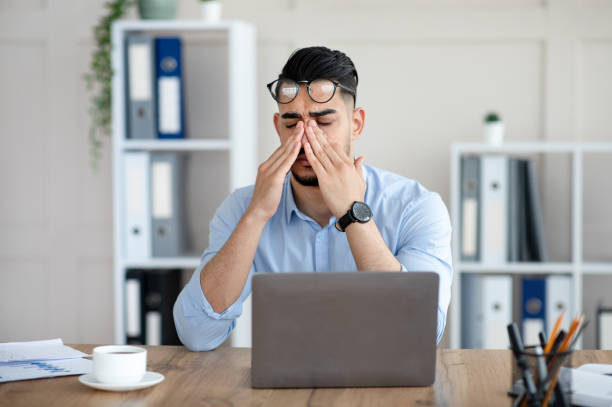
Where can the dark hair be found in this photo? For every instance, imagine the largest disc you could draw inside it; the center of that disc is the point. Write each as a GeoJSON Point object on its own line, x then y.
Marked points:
{"type": "Point", "coordinates": [306, 64]}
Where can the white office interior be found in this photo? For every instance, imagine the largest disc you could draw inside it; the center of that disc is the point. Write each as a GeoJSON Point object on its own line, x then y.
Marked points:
{"type": "Point", "coordinates": [429, 74]}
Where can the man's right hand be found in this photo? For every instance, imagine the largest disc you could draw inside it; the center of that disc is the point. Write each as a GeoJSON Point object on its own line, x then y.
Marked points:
{"type": "Point", "coordinates": [271, 174]}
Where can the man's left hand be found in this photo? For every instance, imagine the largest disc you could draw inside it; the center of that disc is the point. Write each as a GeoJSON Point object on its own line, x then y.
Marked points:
{"type": "Point", "coordinates": [340, 178]}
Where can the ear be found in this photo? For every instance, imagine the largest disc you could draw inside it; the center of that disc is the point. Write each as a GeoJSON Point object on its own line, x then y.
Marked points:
{"type": "Point", "coordinates": [275, 119]}
{"type": "Point", "coordinates": [357, 122]}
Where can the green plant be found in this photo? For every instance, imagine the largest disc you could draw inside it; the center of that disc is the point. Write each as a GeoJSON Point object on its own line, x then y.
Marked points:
{"type": "Point", "coordinates": [99, 78]}
{"type": "Point", "coordinates": [492, 118]}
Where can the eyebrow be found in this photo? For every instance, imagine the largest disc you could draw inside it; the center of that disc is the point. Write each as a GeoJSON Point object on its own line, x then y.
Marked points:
{"type": "Point", "coordinates": [295, 115]}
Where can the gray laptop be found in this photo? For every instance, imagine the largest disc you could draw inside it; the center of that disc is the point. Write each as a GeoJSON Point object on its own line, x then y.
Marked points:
{"type": "Point", "coordinates": [344, 329]}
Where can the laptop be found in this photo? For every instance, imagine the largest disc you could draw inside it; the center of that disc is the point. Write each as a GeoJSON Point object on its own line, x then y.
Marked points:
{"type": "Point", "coordinates": [344, 329]}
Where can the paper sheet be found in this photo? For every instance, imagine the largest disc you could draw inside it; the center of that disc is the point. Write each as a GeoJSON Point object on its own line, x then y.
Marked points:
{"type": "Point", "coordinates": [38, 359]}
{"type": "Point", "coordinates": [40, 369]}
{"type": "Point", "coordinates": [37, 350]}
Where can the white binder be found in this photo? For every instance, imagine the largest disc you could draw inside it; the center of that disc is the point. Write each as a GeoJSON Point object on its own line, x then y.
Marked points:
{"type": "Point", "coordinates": [486, 311]}
{"type": "Point", "coordinates": [604, 328]}
{"type": "Point", "coordinates": [153, 328]}
{"type": "Point", "coordinates": [497, 294]}
{"type": "Point", "coordinates": [494, 209]}
{"type": "Point", "coordinates": [133, 301]}
{"type": "Point", "coordinates": [558, 299]}
{"type": "Point", "coordinates": [137, 209]}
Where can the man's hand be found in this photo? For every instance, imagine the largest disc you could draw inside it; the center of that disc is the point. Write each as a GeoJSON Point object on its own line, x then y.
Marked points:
{"type": "Point", "coordinates": [340, 178]}
{"type": "Point", "coordinates": [271, 174]}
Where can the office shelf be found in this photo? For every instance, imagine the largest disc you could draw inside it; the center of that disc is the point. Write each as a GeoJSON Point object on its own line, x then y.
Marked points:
{"type": "Point", "coordinates": [515, 268]}
{"type": "Point", "coordinates": [187, 262]}
{"type": "Point", "coordinates": [234, 133]}
{"type": "Point", "coordinates": [177, 145]}
{"type": "Point", "coordinates": [575, 268]}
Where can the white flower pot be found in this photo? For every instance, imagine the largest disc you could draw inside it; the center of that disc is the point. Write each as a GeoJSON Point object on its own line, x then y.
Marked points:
{"type": "Point", "coordinates": [211, 11]}
{"type": "Point", "coordinates": [494, 133]}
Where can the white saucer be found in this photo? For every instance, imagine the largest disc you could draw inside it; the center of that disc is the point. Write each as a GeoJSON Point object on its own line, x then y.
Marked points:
{"type": "Point", "coordinates": [148, 380]}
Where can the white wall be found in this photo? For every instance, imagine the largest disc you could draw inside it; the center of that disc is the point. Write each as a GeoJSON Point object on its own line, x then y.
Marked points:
{"type": "Point", "coordinates": [429, 71]}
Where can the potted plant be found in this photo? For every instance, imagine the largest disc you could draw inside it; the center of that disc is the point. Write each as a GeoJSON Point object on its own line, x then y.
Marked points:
{"type": "Point", "coordinates": [493, 129]}
{"type": "Point", "coordinates": [157, 9]}
{"type": "Point", "coordinates": [99, 78]}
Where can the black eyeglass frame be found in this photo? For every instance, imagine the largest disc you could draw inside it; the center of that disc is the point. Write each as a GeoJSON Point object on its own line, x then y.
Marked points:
{"type": "Point", "coordinates": [297, 86]}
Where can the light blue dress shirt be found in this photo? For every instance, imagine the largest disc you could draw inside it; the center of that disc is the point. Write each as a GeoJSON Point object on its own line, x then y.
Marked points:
{"type": "Point", "coordinates": [413, 222]}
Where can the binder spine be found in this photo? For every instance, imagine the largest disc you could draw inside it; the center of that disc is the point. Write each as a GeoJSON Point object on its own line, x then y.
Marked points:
{"type": "Point", "coordinates": [170, 88]}
{"type": "Point", "coordinates": [470, 208]}
{"type": "Point", "coordinates": [140, 81]}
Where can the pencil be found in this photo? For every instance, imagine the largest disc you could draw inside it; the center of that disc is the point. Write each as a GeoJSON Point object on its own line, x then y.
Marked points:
{"type": "Point", "coordinates": [577, 321]}
{"type": "Point", "coordinates": [553, 334]}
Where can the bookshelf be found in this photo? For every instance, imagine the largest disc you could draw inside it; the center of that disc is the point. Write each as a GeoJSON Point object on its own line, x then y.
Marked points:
{"type": "Point", "coordinates": [576, 267]}
{"type": "Point", "coordinates": [234, 140]}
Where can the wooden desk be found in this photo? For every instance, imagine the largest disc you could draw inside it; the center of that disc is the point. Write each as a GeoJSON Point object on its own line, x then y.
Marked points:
{"type": "Point", "coordinates": [222, 378]}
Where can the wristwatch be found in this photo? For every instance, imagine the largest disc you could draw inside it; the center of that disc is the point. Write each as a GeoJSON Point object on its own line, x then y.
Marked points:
{"type": "Point", "coordinates": [359, 212]}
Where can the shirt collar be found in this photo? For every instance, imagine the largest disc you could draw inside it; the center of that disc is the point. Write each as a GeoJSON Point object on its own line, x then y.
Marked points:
{"type": "Point", "coordinates": [290, 206]}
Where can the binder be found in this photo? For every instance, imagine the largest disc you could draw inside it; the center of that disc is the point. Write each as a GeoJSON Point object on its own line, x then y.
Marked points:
{"type": "Point", "coordinates": [470, 202]}
{"type": "Point", "coordinates": [472, 316]}
{"type": "Point", "coordinates": [134, 290]}
{"type": "Point", "coordinates": [604, 328]}
{"type": "Point", "coordinates": [494, 209]}
{"type": "Point", "coordinates": [486, 311]}
{"type": "Point", "coordinates": [533, 212]}
{"type": "Point", "coordinates": [169, 88]}
{"type": "Point", "coordinates": [516, 210]}
{"type": "Point", "coordinates": [153, 335]}
{"type": "Point", "coordinates": [140, 60]}
{"type": "Point", "coordinates": [533, 308]}
{"type": "Point", "coordinates": [497, 291]}
{"type": "Point", "coordinates": [167, 205]}
{"type": "Point", "coordinates": [558, 299]}
{"type": "Point", "coordinates": [162, 287]}
{"type": "Point", "coordinates": [137, 223]}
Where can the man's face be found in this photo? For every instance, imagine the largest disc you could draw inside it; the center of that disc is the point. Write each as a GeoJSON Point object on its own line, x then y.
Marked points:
{"type": "Point", "coordinates": [334, 118]}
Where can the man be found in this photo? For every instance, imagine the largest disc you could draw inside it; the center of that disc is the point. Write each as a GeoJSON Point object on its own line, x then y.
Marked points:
{"type": "Point", "coordinates": [313, 206]}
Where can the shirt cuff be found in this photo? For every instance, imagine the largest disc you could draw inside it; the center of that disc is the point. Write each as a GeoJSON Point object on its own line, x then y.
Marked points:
{"type": "Point", "coordinates": [198, 297]}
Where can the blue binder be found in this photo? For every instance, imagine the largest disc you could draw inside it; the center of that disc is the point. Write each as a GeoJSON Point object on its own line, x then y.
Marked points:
{"type": "Point", "coordinates": [169, 79]}
{"type": "Point", "coordinates": [533, 308]}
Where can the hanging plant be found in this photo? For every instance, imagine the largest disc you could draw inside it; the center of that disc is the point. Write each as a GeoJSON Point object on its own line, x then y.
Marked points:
{"type": "Point", "coordinates": [99, 79]}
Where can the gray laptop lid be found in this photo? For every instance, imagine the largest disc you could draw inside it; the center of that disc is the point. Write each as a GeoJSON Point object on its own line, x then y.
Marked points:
{"type": "Point", "coordinates": [344, 329]}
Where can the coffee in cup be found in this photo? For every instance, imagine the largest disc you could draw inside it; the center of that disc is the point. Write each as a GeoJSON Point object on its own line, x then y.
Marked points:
{"type": "Point", "coordinates": [119, 364]}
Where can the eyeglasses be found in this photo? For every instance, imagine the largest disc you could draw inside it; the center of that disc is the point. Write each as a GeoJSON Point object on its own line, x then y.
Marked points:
{"type": "Point", "coordinates": [284, 90]}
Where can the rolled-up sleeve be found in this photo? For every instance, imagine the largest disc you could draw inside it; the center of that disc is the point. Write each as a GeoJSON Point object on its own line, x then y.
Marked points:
{"type": "Point", "coordinates": [424, 244]}
{"type": "Point", "coordinates": [198, 326]}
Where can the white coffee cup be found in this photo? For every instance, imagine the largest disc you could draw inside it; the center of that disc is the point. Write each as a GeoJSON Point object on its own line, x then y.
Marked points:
{"type": "Point", "coordinates": [119, 364]}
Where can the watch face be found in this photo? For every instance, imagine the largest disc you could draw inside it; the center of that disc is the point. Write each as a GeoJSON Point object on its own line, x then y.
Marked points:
{"type": "Point", "coordinates": [361, 212]}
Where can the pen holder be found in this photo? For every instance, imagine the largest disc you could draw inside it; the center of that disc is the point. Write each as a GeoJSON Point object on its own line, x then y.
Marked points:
{"type": "Point", "coordinates": [533, 376]}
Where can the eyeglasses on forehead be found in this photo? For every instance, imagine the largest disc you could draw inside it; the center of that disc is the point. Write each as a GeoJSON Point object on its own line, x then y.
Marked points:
{"type": "Point", "coordinates": [285, 90]}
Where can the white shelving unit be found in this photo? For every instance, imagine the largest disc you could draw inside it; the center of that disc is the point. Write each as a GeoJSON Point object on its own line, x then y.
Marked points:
{"type": "Point", "coordinates": [239, 143]}
{"type": "Point", "coordinates": [576, 267]}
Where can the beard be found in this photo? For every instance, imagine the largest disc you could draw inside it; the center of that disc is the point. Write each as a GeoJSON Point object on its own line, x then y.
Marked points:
{"type": "Point", "coordinates": [311, 181]}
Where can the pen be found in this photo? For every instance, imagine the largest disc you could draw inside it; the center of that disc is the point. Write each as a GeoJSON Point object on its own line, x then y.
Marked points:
{"type": "Point", "coordinates": [516, 343]}
{"type": "Point", "coordinates": [541, 364]}
{"type": "Point", "coordinates": [542, 340]}
{"type": "Point", "coordinates": [556, 345]}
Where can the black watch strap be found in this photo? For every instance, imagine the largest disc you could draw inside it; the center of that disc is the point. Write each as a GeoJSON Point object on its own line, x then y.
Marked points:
{"type": "Point", "coordinates": [358, 212]}
{"type": "Point", "coordinates": [344, 221]}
